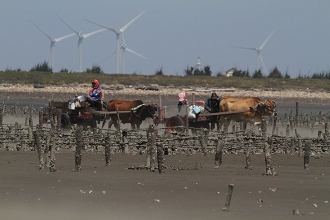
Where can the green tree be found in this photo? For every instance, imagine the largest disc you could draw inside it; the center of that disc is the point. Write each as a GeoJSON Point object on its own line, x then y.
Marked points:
{"type": "Point", "coordinates": [240, 73]}
{"type": "Point", "coordinates": [159, 71]}
{"type": "Point", "coordinates": [207, 71]}
{"type": "Point", "coordinates": [257, 74]}
{"type": "Point", "coordinates": [95, 69]}
{"type": "Point", "coordinates": [41, 67]}
{"type": "Point", "coordinates": [198, 72]}
{"type": "Point", "coordinates": [65, 70]}
{"type": "Point", "coordinates": [322, 75]}
{"type": "Point", "coordinates": [275, 74]}
{"type": "Point", "coordinates": [189, 71]}
{"type": "Point", "coordinates": [247, 73]}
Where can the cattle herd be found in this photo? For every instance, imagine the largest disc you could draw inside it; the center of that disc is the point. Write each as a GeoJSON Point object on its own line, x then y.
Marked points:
{"type": "Point", "coordinates": [267, 138]}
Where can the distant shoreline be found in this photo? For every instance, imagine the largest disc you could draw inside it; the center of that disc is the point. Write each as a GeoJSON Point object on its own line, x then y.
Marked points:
{"type": "Point", "coordinates": [167, 93]}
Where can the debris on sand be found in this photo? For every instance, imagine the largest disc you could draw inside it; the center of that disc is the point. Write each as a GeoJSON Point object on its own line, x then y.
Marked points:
{"type": "Point", "coordinates": [38, 86]}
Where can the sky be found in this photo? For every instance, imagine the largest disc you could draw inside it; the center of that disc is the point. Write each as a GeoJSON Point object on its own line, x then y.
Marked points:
{"type": "Point", "coordinates": [171, 34]}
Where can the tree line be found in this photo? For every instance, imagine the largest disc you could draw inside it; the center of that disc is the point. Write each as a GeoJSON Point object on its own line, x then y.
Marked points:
{"type": "Point", "coordinates": [192, 71]}
{"type": "Point", "coordinates": [44, 67]}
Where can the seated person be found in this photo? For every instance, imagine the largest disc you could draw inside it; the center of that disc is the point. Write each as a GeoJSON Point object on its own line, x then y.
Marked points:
{"type": "Point", "coordinates": [183, 98]}
{"type": "Point", "coordinates": [212, 105]}
{"type": "Point", "coordinates": [95, 95]}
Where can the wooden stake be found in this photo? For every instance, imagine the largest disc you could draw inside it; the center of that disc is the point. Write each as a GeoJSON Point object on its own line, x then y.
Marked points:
{"type": "Point", "coordinates": [228, 198]}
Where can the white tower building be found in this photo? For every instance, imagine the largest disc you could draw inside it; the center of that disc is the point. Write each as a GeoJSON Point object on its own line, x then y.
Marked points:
{"type": "Point", "coordinates": [199, 64]}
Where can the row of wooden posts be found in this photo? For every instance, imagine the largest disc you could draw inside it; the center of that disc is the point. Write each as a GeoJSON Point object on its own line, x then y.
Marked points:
{"type": "Point", "coordinates": [155, 145]}
{"type": "Point", "coordinates": [155, 150]}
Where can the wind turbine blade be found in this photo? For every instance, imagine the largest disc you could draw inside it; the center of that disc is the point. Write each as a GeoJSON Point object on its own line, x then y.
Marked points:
{"type": "Point", "coordinates": [108, 57]}
{"type": "Point", "coordinates": [62, 38]}
{"type": "Point", "coordinates": [248, 48]}
{"type": "Point", "coordinates": [131, 51]}
{"type": "Point", "coordinates": [109, 28]}
{"type": "Point", "coordinates": [50, 38]}
{"type": "Point", "coordinates": [263, 64]}
{"type": "Point", "coordinates": [129, 23]}
{"type": "Point", "coordinates": [262, 45]}
{"type": "Point", "coordinates": [95, 32]}
{"type": "Point", "coordinates": [74, 30]}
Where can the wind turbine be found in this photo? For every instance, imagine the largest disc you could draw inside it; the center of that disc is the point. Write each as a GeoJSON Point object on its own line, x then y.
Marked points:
{"type": "Point", "coordinates": [122, 60]}
{"type": "Point", "coordinates": [118, 32]}
{"type": "Point", "coordinates": [125, 48]}
{"type": "Point", "coordinates": [52, 43]}
{"type": "Point", "coordinates": [81, 36]}
{"type": "Point", "coordinates": [258, 49]}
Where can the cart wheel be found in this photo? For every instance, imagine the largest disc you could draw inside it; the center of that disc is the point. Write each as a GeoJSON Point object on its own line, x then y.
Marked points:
{"type": "Point", "coordinates": [93, 124]}
{"type": "Point", "coordinates": [197, 125]}
{"type": "Point", "coordinates": [206, 125]}
{"type": "Point", "coordinates": [175, 123]}
{"type": "Point", "coordinates": [65, 121]}
{"type": "Point", "coordinates": [90, 123]}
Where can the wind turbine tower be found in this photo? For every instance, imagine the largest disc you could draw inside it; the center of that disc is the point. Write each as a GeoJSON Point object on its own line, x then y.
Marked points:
{"type": "Point", "coordinates": [118, 32]}
{"type": "Point", "coordinates": [258, 50]}
{"type": "Point", "coordinates": [52, 44]}
{"type": "Point", "coordinates": [81, 36]}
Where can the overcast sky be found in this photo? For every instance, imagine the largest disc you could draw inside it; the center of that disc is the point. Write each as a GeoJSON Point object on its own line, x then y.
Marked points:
{"type": "Point", "coordinates": [172, 34]}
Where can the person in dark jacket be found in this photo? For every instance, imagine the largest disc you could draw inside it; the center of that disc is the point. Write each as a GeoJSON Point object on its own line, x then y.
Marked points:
{"type": "Point", "coordinates": [212, 105]}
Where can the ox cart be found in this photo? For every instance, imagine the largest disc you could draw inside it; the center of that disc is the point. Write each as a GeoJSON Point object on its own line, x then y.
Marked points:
{"type": "Point", "coordinates": [178, 117]}
{"type": "Point", "coordinates": [76, 111]}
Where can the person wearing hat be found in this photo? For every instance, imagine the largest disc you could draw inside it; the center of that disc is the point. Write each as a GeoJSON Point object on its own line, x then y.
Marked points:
{"type": "Point", "coordinates": [183, 98]}
{"type": "Point", "coordinates": [212, 105]}
{"type": "Point", "coordinates": [95, 95]}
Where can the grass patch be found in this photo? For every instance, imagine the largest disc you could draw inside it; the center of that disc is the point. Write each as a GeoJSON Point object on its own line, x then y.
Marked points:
{"type": "Point", "coordinates": [46, 78]}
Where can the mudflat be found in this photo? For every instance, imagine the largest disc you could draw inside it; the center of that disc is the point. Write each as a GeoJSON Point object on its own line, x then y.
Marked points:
{"type": "Point", "coordinates": [192, 190]}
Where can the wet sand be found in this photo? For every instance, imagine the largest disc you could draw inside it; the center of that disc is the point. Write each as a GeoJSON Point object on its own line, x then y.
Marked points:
{"type": "Point", "coordinates": [115, 192]}
{"type": "Point", "coordinates": [195, 191]}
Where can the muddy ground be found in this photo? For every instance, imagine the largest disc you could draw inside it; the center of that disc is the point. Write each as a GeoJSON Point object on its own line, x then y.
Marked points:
{"type": "Point", "coordinates": [195, 191]}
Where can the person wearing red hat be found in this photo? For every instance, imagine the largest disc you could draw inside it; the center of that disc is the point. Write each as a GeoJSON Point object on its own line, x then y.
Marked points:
{"type": "Point", "coordinates": [95, 95]}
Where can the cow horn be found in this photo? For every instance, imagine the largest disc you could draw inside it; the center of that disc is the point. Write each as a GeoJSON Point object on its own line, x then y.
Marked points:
{"type": "Point", "coordinates": [274, 103]}
{"type": "Point", "coordinates": [254, 108]}
{"type": "Point", "coordinates": [137, 107]}
{"type": "Point", "coordinates": [271, 101]}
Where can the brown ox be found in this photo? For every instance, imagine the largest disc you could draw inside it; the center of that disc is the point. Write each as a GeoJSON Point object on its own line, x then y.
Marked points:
{"type": "Point", "coordinates": [254, 104]}
{"type": "Point", "coordinates": [138, 112]}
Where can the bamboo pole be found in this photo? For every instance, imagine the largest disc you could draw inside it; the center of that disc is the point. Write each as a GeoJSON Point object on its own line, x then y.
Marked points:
{"type": "Point", "coordinates": [218, 151]}
{"type": "Point", "coordinates": [268, 158]}
{"type": "Point", "coordinates": [228, 197]}
{"type": "Point", "coordinates": [160, 158]}
{"type": "Point", "coordinates": [79, 146]}
{"type": "Point", "coordinates": [107, 149]}
{"type": "Point", "coordinates": [39, 150]}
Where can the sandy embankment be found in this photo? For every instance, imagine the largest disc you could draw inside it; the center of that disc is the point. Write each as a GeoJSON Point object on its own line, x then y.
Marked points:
{"type": "Point", "coordinates": [63, 92]}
